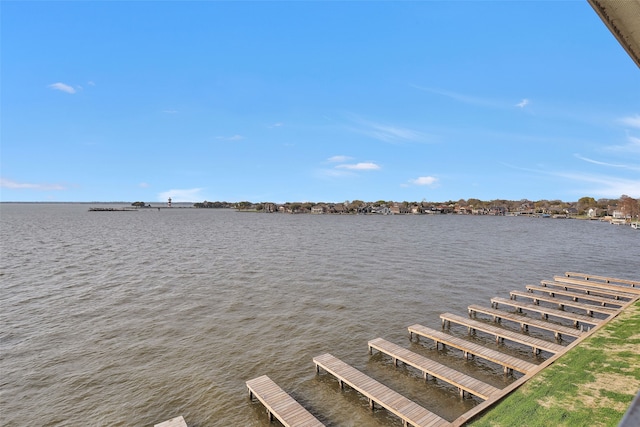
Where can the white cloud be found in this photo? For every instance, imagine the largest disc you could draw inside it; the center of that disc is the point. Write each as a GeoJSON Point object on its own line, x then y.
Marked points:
{"type": "Point", "coordinates": [604, 185]}
{"type": "Point", "coordinates": [466, 99]}
{"type": "Point", "coordinates": [424, 180]}
{"type": "Point", "coordinates": [277, 125]}
{"type": "Point", "coordinates": [179, 196]}
{"type": "Point", "coordinates": [633, 146]}
{"type": "Point", "coordinates": [143, 185]}
{"type": "Point", "coordinates": [386, 133]}
{"type": "Point", "coordinates": [170, 111]}
{"type": "Point", "coordinates": [523, 103]}
{"type": "Point", "coordinates": [62, 87]}
{"type": "Point", "coordinates": [359, 166]}
{"type": "Point", "coordinates": [12, 185]}
{"type": "Point", "coordinates": [230, 138]}
{"type": "Point", "coordinates": [612, 165]}
{"type": "Point", "coordinates": [633, 121]}
{"type": "Point", "coordinates": [338, 159]}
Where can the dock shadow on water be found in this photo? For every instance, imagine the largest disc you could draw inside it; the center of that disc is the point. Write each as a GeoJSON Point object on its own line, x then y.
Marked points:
{"type": "Point", "coordinates": [131, 319]}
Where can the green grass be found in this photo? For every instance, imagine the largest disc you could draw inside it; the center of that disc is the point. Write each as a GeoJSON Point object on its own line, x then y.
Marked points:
{"type": "Point", "coordinates": [591, 385]}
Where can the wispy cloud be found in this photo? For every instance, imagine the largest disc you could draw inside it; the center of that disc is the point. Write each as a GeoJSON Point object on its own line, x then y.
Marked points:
{"type": "Point", "coordinates": [338, 159]}
{"type": "Point", "coordinates": [183, 195]}
{"type": "Point", "coordinates": [143, 185]}
{"type": "Point", "coordinates": [230, 138]}
{"type": "Point", "coordinates": [170, 111]}
{"type": "Point", "coordinates": [384, 132]}
{"type": "Point", "coordinates": [603, 185]}
{"type": "Point", "coordinates": [429, 181]}
{"type": "Point", "coordinates": [611, 165]}
{"type": "Point", "coordinates": [364, 166]}
{"type": "Point", "coordinates": [13, 185]}
{"type": "Point", "coordinates": [632, 146]}
{"type": "Point", "coordinates": [62, 87]}
{"type": "Point", "coordinates": [523, 103]}
{"type": "Point", "coordinates": [464, 98]}
{"type": "Point", "coordinates": [276, 125]}
{"type": "Point", "coordinates": [633, 121]}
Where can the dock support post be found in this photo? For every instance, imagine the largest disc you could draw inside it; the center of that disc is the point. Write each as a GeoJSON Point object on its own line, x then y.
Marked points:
{"type": "Point", "coordinates": [371, 404]}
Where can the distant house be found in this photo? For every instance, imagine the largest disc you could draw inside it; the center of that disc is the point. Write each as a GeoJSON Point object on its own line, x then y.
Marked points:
{"type": "Point", "coordinates": [399, 209]}
{"type": "Point", "coordinates": [318, 209]}
{"type": "Point", "coordinates": [339, 208]}
{"type": "Point", "coordinates": [269, 207]}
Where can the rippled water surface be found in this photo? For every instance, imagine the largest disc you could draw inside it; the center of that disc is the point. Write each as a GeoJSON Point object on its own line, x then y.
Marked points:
{"type": "Point", "coordinates": [132, 318]}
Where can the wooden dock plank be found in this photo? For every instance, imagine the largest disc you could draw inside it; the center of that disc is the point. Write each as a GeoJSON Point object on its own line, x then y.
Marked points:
{"type": "Point", "coordinates": [458, 379]}
{"type": "Point", "coordinates": [575, 295]}
{"type": "Point", "coordinates": [545, 311]}
{"type": "Point", "coordinates": [470, 348]}
{"type": "Point", "coordinates": [279, 404]}
{"type": "Point", "coordinates": [525, 321]}
{"type": "Point", "coordinates": [589, 290]}
{"type": "Point", "coordinates": [500, 333]}
{"type": "Point", "coordinates": [409, 411]}
{"type": "Point", "coordinates": [589, 308]}
{"type": "Point", "coordinates": [590, 277]}
{"type": "Point", "coordinates": [600, 285]}
{"type": "Point", "coordinates": [173, 422]}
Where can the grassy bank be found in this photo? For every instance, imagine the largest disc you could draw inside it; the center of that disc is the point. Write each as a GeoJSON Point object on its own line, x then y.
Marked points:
{"type": "Point", "coordinates": [592, 385]}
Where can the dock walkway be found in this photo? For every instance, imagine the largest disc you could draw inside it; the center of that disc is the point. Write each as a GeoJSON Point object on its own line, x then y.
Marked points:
{"type": "Point", "coordinates": [409, 411]}
{"type": "Point", "coordinates": [562, 303]}
{"type": "Point", "coordinates": [279, 404]}
{"type": "Point", "coordinates": [173, 422]}
{"type": "Point", "coordinates": [588, 289]}
{"type": "Point", "coordinates": [463, 382]}
{"type": "Point", "coordinates": [589, 277]}
{"type": "Point", "coordinates": [546, 312]}
{"type": "Point", "coordinates": [575, 296]}
{"type": "Point", "coordinates": [501, 334]}
{"type": "Point", "coordinates": [508, 362]}
{"type": "Point", "coordinates": [600, 285]}
{"type": "Point", "coordinates": [525, 322]}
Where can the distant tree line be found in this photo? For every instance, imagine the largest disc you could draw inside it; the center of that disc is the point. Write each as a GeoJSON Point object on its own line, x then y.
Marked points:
{"type": "Point", "coordinates": [625, 205]}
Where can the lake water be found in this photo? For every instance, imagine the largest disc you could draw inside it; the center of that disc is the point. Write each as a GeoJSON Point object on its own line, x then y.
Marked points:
{"type": "Point", "coordinates": [132, 318]}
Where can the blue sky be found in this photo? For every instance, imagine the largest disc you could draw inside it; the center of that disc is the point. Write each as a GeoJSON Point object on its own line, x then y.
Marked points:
{"type": "Point", "coordinates": [315, 101]}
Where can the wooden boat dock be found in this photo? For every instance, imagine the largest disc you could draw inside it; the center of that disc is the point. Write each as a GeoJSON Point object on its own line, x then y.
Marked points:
{"type": "Point", "coordinates": [588, 277]}
{"type": "Point", "coordinates": [598, 295]}
{"type": "Point", "coordinates": [631, 289]}
{"type": "Point", "coordinates": [279, 404]}
{"type": "Point", "coordinates": [409, 411]}
{"type": "Point", "coordinates": [588, 289]}
{"type": "Point", "coordinates": [525, 321]}
{"type": "Point", "coordinates": [509, 363]}
{"type": "Point", "coordinates": [586, 297]}
{"type": "Point", "coordinates": [463, 382]}
{"type": "Point", "coordinates": [501, 334]}
{"type": "Point", "coordinates": [173, 422]}
{"type": "Point", "coordinates": [562, 303]}
{"type": "Point", "coordinates": [546, 311]}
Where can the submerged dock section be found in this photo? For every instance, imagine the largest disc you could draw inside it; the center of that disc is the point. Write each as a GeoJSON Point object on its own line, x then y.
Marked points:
{"type": "Point", "coordinates": [572, 301]}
